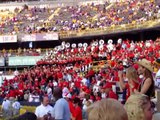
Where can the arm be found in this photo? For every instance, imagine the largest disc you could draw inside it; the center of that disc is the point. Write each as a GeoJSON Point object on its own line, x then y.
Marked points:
{"type": "Point", "coordinates": [121, 81]}
{"type": "Point", "coordinates": [40, 118]}
{"type": "Point", "coordinates": [73, 118]}
{"type": "Point", "coordinates": [146, 86]}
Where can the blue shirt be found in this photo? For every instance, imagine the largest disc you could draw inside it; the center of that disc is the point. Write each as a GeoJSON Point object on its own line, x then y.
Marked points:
{"type": "Point", "coordinates": [61, 110]}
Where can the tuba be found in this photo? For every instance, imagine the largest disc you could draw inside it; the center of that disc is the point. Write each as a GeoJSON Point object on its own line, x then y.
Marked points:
{"type": "Point", "coordinates": [101, 42]}
{"type": "Point", "coordinates": [80, 45]}
{"type": "Point", "coordinates": [67, 45]}
{"type": "Point", "coordinates": [119, 41]}
{"type": "Point", "coordinates": [110, 41]}
{"type": "Point", "coordinates": [74, 45]}
{"type": "Point", "coordinates": [85, 45]}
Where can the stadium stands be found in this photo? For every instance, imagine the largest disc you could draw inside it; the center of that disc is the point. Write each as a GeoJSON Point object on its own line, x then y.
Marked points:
{"type": "Point", "coordinates": [87, 70]}
{"type": "Point", "coordinates": [78, 18]}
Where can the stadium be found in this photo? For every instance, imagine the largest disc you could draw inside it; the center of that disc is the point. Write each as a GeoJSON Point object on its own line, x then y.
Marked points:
{"type": "Point", "coordinates": [80, 59]}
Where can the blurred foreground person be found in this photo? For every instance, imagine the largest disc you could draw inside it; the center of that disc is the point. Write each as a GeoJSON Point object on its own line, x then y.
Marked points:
{"type": "Point", "coordinates": [107, 109]}
{"type": "Point", "coordinates": [138, 107]}
{"type": "Point", "coordinates": [5, 107]}
{"type": "Point", "coordinates": [157, 76]}
{"type": "Point", "coordinates": [26, 116]}
{"type": "Point", "coordinates": [156, 116]}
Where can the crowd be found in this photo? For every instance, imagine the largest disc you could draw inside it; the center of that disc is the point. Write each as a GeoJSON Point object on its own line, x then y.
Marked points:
{"type": "Point", "coordinates": [79, 17]}
{"type": "Point", "coordinates": [87, 73]}
{"type": "Point", "coordinates": [101, 80]}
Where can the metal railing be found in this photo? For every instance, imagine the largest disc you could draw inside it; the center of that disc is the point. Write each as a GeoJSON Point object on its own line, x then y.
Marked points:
{"type": "Point", "coordinates": [111, 29]}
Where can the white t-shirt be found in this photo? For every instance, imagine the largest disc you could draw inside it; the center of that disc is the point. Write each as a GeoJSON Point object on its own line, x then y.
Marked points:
{"type": "Point", "coordinates": [43, 110]}
{"type": "Point", "coordinates": [61, 110]}
{"type": "Point", "coordinates": [6, 104]}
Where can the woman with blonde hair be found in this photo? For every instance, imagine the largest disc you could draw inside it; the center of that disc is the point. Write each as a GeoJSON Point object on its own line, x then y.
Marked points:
{"type": "Point", "coordinates": [107, 109]}
{"type": "Point", "coordinates": [138, 107]}
{"type": "Point", "coordinates": [133, 81]}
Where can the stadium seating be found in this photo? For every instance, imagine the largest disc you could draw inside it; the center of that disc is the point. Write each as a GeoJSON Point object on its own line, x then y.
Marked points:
{"type": "Point", "coordinates": [80, 17]}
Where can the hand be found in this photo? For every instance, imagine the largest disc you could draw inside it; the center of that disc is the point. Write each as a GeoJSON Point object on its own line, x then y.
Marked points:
{"type": "Point", "coordinates": [45, 117]}
{"type": "Point", "coordinates": [136, 92]}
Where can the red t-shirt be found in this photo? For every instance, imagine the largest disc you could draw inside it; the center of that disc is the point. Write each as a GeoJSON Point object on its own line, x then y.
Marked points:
{"type": "Point", "coordinates": [128, 92]}
{"type": "Point", "coordinates": [12, 93]}
{"type": "Point", "coordinates": [112, 95]}
{"type": "Point", "coordinates": [77, 113]}
{"type": "Point", "coordinates": [71, 107]}
{"type": "Point", "coordinates": [21, 86]}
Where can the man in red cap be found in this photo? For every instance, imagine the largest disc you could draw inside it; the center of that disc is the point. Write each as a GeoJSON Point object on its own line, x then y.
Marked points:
{"type": "Point", "coordinates": [109, 91]}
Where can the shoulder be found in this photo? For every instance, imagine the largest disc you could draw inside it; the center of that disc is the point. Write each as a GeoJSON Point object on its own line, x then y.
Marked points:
{"type": "Point", "coordinates": [61, 103]}
{"type": "Point", "coordinates": [61, 100]}
{"type": "Point", "coordinates": [49, 107]}
{"type": "Point", "coordinates": [39, 107]}
{"type": "Point", "coordinates": [148, 81]}
{"type": "Point", "coordinates": [4, 101]}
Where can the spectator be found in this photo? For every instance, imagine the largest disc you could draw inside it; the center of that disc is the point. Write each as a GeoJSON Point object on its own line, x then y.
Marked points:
{"type": "Point", "coordinates": [107, 109]}
{"type": "Point", "coordinates": [16, 107]}
{"type": "Point", "coordinates": [138, 107]}
{"type": "Point", "coordinates": [26, 96]}
{"type": "Point", "coordinates": [5, 107]}
{"type": "Point", "coordinates": [61, 108]}
{"type": "Point", "coordinates": [44, 109]}
{"type": "Point", "coordinates": [77, 115]}
{"type": "Point", "coordinates": [68, 97]}
{"type": "Point", "coordinates": [133, 81]}
{"type": "Point", "coordinates": [147, 85]}
{"type": "Point", "coordinates": [109, 92]}
{"type": "Point", "coordinates": [157, 77]}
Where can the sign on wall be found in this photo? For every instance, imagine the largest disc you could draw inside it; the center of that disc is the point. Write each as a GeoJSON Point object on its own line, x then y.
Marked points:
{"type": "Point", "coordinates": [23, 60]}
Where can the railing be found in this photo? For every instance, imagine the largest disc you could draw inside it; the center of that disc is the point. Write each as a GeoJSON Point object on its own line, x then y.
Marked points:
{"type": "Point", "coordinates": [111, 29]}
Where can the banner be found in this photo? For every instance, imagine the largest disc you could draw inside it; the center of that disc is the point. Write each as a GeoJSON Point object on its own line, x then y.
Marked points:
{"type": "Point", "coordinates": [8, 38]}
{"type": "Point", "coordinates": [2, 62]}
{"type": "Point", "coordinates": [40, 37]}
{"type": "Point", "coordinates": [23, 60]}
{"type": "Point", "coordinates": [29, 37]}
